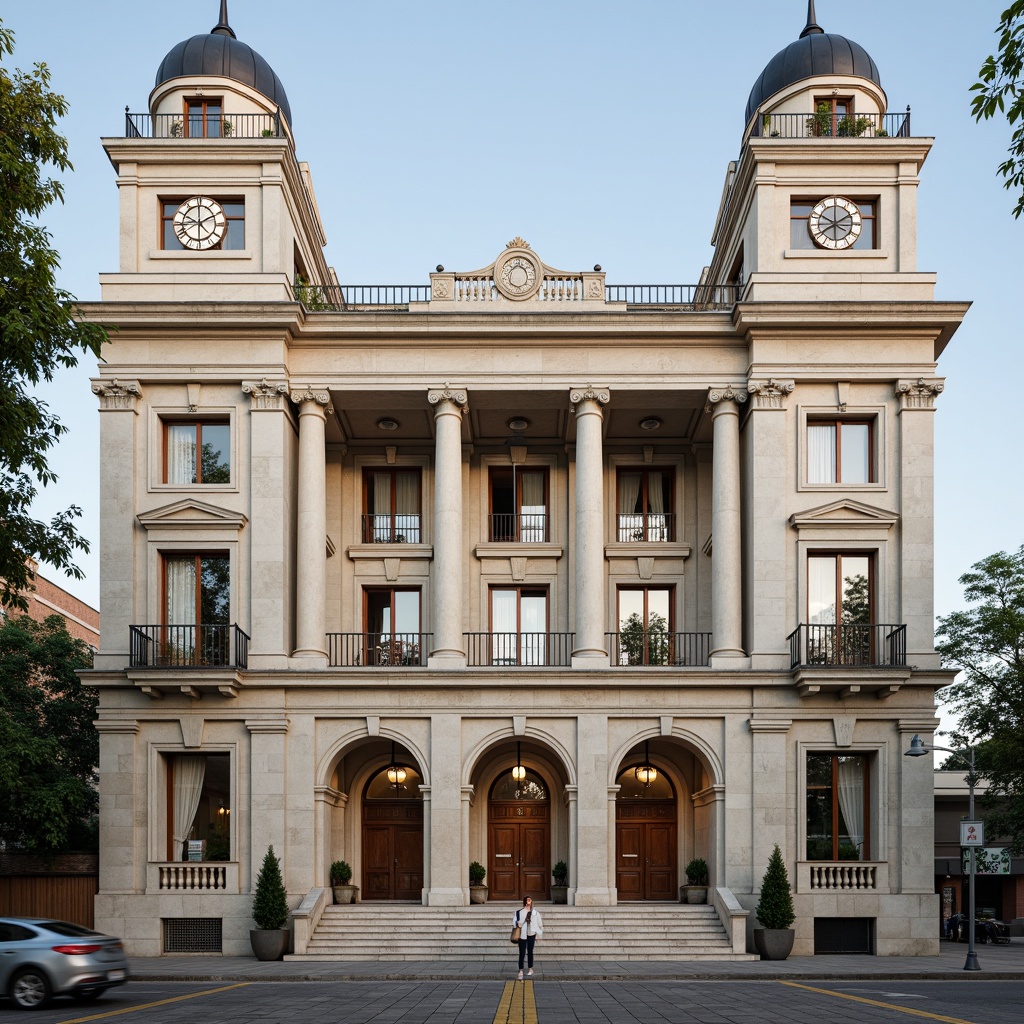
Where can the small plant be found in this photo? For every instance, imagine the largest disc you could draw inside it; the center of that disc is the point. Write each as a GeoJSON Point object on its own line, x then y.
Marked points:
{"type": "Point", "coordinates": [270, 900]}
{"type": "Point", "coordinates": [267, 133]}
{"type": "Point", "coordinates": [775, 906]}
{"type": "Point", "coordinates": [226, 128]}
{"type": "Point", "coordinates": [820, 122]}
{"type": "Point", "coordinates": [477, 873]}
{"type": "Point", "coordinates": [177, 127]}
{"type": "Point", "coordinates": [697, 872]}
{"type": "Point", "coordinates": [851, 127]}
{"type": "Point", "coordinates": [766, 124]}
{"type": "Point", "coordinates": [881, 134]}
{"type": "Point", "coordinates": [341, 873]}
{"type": "Point", "coordinates": [560, 873]}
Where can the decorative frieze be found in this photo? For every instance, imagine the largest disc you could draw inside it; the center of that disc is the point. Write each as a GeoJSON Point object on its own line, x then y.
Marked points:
{"type": "Point", "coordinates": [115, 394]}
{"type": "Point", "coordinates": [266, 394]}
{"type": "Point", "coordinates": [918, 394]}
{"type": "Point", "coordinates": [771, 393]}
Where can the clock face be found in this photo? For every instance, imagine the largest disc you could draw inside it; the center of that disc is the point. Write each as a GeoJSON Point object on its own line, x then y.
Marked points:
{"type": "Point", "coordinates": [835, 223]}
{"type": "Point", "coordinates": [200, 223]}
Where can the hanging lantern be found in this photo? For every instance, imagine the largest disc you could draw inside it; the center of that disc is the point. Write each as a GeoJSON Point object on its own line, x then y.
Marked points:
{"type": "Point", "coordinates": [396, 773]}
{"type": "Point", "coordinates": [646, 773]}
{"type": "Point", "coordinates": [518, 772]}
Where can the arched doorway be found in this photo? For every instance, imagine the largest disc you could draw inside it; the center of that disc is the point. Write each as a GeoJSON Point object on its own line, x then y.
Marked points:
{"type": "Point", "coordinates": [519, 838]}
{"type": "Point", "coordinates": [393, 834]}
{"type": "Point", "coordinates": [646, 864]}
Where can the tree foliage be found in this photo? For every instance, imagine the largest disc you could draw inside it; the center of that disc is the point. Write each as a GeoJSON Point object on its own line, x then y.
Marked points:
{"type": "Point", "coordinates": [1000, 90]}
{"type": "Point", "coordinates": [39, 329]}
{"type": "Point", "coordinates": [270, 901]}
{"type": "Point", "coordinates": [49, 749]}
{"type": "Point", "coordinates": [775, 905]}
{"type": "Point", "coordinates": [986, 642]}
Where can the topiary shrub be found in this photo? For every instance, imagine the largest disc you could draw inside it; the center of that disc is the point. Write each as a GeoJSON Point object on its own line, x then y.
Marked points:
{"type": "Point", "coordinates": [477, 873]}
{"type": "Point", "coordinates": [341, 873]}
{"type": "Point", "coordinates": [270, 900]}
{"type": "Point", "coordinates": [775, 907]}
{"type": "Point", "coordinates": [697, 872]}
{"type": "Point", "coordinates": [560, 873]}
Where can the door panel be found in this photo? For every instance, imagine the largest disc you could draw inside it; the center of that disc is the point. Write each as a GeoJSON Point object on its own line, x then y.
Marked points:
{"type": "Point", "coordinates": [645, 850]}
{"type": "Point", "coordinates": [376, 862]}
{"type": "Point", "coordinates": [661, 861]}
{"type": "Point", "coordinates": [504, 866]}
{"type": "Point", "coordinates": [392, 850]}
{"type": "Point", "coordinates": [519, 850]}
{"type": "Point", "coordinates": [408, 843]}
{"type": "Point", "coordinates": [629, 846]}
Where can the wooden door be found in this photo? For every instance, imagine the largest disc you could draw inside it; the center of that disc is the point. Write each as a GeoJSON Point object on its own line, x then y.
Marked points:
{"type": "Point", "coordinates": [645, 850]}
{"type": "Point", "coordinates": [392, 850]}
{"type": "Point", "coordinates": [519, 850]}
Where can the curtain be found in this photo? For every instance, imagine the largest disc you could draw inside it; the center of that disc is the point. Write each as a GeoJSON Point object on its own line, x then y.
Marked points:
{"type": "Point", "coordinates": [181, 453]}
{"type": "Point", "coordinates": [382, 507]}
{"type": "Point", "coordinates": [656, 491]}
{"type": "Point", "coordinates": [851, 800]}
{"type": "Point", "coordinates": [503, 626]}
{"type": "Point", "coordinates": [821, 453]}
{"type": "Point", "coordinates": [189, 772]}
{"type": "Point", "coordinates": [181, 591]}
{"type": "Point", "coordinates": [532, 529]}
{"type": "Point", "coordinates": [631, 525]}
{"type": "Point", "coordinates": [407, 506]}
{"type": "Point", "coordinates": [534, 623]}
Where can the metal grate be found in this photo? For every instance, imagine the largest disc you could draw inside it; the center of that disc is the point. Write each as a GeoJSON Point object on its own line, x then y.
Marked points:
{"type": "Point", "coordinates": [193, 935]}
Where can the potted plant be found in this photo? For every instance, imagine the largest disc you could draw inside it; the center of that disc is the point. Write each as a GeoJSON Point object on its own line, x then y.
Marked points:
{"type": "Point", "coordinates": [341, 876]}
{"type": "Point", "coordinates": [775, 911]}
{"type": "Point", "coordinates": [696, 888]}
{"type": "Point", "coordinates": [851, 127]}
{"type": "Point", "coordinates": [477, 889]}
{"type": "Point", "coordinates": [820, 122]}
{"type": "Point", "coordinates": [270, 911]}
{"type": "Point", "coordinates": [560, 890]}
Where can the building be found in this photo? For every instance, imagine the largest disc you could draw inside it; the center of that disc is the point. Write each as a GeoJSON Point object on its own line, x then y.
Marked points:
{"type": "Point", "coordinates": [518, 566]}
{"type": "Point", "coordinates": [46, 598]}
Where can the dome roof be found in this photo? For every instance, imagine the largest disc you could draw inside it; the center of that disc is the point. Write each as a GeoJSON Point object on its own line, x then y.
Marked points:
{"type": "Point", "coordinates": [220, 53]}
{"type": "Point", "coordinates": [816, 52]}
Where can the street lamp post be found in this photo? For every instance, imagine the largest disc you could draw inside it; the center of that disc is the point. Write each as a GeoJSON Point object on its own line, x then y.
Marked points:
{"type": "Point", "coordinates": [919, 749]}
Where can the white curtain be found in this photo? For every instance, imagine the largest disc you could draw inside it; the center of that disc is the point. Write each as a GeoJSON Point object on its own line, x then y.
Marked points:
{"type": "Point", "coordinates": [181, 591]}
{"type": "Point", "coordinates": [532, 527]}
{"type": "Point", "coordinates": [181, 453]}
{"type": "Point", "coordinates": [407, 506]}
{"type": "Point", "coordinates": [189, 772]}
{"type": "Point", "coordinates": [656, 491]}
{"type": "Point", "coordinates": [503, 626]}
{"type": "Point", "coordinates": [631, 526]}
{"type": "Point", "coordinates": [821, 453]}
{"type": "Point", "coordinates": [382, 506]}
{"type": "Point", "coordinates": [851, 800]}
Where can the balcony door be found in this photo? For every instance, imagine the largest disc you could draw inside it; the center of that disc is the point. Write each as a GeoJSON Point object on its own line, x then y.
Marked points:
{"type": "Point", "coordinates": [519, 505]}
{"type": "Point", "coordinates": [392, 506]}
{"type": "Point", "coordinates": [840, 607]}
{"type": "Point", "coordinates": [645, 626]}
{"type": "Point", "coordinates": [197, 609]}
{"type": "Point", "coordinates": [519, 624]}
{"type": "Point", "coordinates": [393, 634]}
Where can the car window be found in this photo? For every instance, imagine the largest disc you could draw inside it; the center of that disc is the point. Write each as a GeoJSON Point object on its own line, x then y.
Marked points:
{"type": "Point", "coordinates": [10, 932]}
{"type": "Point", "coordinates": [65, 928]}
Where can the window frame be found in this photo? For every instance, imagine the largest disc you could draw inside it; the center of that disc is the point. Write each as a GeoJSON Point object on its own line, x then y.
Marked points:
{"type": "Point", "coordinates": [521, 590]}
{"type": "Point", "coordinates": [670, 513]}
{"type": "Point", "coordinates": [516, 473]}
{"type": "Point", "coordinates": [198, 422]}
{"type": "Point", "coordinates": [839, 554]}
{"type": "Point", "coordinates": [205, 117]}
{"type": "Point", "coordinates": [369, 529]}
{"type": "Point", "coordinates": [869, 226]}
{"type": "Point", "coordinates": [843, 412]}
{"type": "Point", "coordinates": [838, 422]}
{"type": "Point", "coordinates": [167, 207]}
{"type": "Point", "coordinates": [646, 588]}
{"type": "Point", "coordinates": [833, 102]}
{"type": "Point", "coordinates": [371, 649]}
{"type": "Point", "coordinates": [161, 806]}
{"type": "Point", "coordinates": [868, 842]}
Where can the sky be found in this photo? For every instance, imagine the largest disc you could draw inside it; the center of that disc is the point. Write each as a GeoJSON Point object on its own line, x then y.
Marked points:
{"type": "Point", "coordinates": [600, 132]}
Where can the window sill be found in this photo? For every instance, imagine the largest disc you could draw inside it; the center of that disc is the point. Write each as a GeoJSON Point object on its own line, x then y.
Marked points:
{"type": "Point", "coordinates": [835, 254]}
{"type": "Point", "coordinates": [843, 488]}
{"type": "Point", "coordinates": [210, 254]}
{"type": "Point", "coordinates": [517, 549]}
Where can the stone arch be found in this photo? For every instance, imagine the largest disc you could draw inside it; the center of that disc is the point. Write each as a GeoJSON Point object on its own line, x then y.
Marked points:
{"type": "Point", "coordinates": [496, 736]}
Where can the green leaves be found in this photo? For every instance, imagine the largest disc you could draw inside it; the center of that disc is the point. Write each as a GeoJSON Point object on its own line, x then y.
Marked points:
{"type": "Point", "coordinates": [270, 901]}
{"type": "Point", "coordinates": [775, 905]}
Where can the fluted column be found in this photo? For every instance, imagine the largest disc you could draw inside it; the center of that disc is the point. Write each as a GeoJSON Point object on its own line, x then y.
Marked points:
{"type": "Point", "coordinates": [311, 542]}
{"type": "Point", "coordinates": [589, 647]}
{"type": "Point", "coordinates": [726, 527]}
{"type": "Point", "coordinates": [447, 647]}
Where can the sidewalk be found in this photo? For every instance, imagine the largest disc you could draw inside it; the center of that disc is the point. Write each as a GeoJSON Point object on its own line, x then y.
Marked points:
{"type": "Point", "coordinates": [1002, 962]}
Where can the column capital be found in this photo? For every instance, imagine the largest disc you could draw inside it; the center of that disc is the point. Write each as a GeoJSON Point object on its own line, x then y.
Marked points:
{"type": "Point", "coordinates": [589, 393]}
{"type": "Point", "coordinates": [920, 393]}
{"type": "Point", "coordinates": [724, 398]}
{"type": "Point", "coordinates": [116, 394]}
{"type": "Point", "coordinates": [457, 396]}
{"type": "Point", "coordinates": [770, 393]}
{"type": "Point", "coordinates": [265, 394]}
{"type": "Point", "coordinates": [311, 393]}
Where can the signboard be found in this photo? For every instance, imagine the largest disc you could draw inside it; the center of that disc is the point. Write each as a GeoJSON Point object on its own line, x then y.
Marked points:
{"type": "Point", "coordinates": [196, 848]}
{"type": "Point", "coordinates": [972, 833]}
{"type": "Point", "coordinates": [990, 860]}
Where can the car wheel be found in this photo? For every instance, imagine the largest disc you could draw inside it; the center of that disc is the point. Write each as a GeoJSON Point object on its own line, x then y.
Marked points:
{"type": "Point", "coordinates": [31, 989]}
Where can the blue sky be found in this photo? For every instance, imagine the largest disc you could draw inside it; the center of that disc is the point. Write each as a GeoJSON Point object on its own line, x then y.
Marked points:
{"type": "Point", "coordinates": [598, 131]}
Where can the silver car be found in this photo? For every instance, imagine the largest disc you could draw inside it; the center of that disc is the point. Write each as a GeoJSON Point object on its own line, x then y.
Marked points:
{"type": "Point", "coordinates": [41, 958]}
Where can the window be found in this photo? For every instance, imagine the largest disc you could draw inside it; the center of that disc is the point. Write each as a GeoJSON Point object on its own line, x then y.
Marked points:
{"type": "Point", "coordinates": [197, 452]}
{"type": "Point", "coordinates": [840, 609]}
{"type": "Point", "coordinates": [393, 634]}
{"type": "Point", "coordinates": [199, 806]}
{"type": "Point", "coordinates": [197, 608]}
{"type": "Point", "coordinates": [645, 505]}
{"type": "Point", "coordinates": [234, 233]}
{"type": "Point", "coordinates": [519, 623]}
{"type": "Point", "coordinates": [519, 504]}
{"type": "Point", "coordinates": [204, 118]}
{"type": "Point", "coordinates": [840, 452]}
{"type": "Point", "coordinates": [838, 807]}
{"type": "Point", "coordinates": [833, 116]}
{"type": "Point", "coordinates": [392, 506]}
{"type": "Point", "coordinates": [800, 212]}
{"type": "Point", "coordinates": [645, 626]}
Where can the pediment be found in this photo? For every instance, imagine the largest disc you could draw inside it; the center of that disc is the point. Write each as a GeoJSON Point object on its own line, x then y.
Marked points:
{"type": "Point", "coordinates": [190, 514]}
{"type": "Point", "coordinates": [844, 512]}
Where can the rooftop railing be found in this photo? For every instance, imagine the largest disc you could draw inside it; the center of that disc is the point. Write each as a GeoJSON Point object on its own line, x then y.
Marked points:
{"type": "Point", "coordinates": [222, 126]}
{"type": "Point", "coordinates": [825, 124]}
{"type": "Point", "coordinates": [687, 297]}
{"type": "Point", "coordinates": [520, 650]}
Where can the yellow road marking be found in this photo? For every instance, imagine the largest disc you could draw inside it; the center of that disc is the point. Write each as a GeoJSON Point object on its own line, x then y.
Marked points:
{"type": "Point", "coordinates": [875, 1002]}
{"type": "Point", "coordinates": [517, 1004]}
{"type": "Point", "coordinates": [159, 1002]}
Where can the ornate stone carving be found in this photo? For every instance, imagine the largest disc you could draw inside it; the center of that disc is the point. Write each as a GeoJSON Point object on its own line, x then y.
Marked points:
{"type": "Point", "coordinates": [726, 394]}
{"type": "Point", "coordinates": [311, 394]}
{"type": "Point", "coordinates": [600, 395]}
{"type": "Point", "coordinates": [771, 393]}
{"type": "Point", "coordinates": [518, 243]}
{"type": "Point", "coordinates": [114, 394]}
{"type": "Point", "coordinates": [447, 394]}
{"type": "Point", "coordinates": [442, 289]}
{"type": "Point", "coordinates": [265, 395]}
{"type": "Point", "coordinates": [595, 290]}
{"type": "Point", "coordinates": [918, 394]}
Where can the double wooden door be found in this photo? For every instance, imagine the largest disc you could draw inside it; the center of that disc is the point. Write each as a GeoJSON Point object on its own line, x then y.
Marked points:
{"type": "Point", "coordinates": [519, 850]}
{"type": "Point", "coordinates": [645, 850]}
{"type": "Point", "coordinates": [392, 850]}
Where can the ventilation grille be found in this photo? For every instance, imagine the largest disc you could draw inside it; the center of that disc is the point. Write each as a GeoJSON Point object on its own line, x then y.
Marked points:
{"type": "Point", "coordinates": [193, 935]}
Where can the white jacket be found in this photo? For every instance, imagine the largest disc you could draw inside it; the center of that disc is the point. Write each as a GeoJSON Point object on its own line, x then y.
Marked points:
{"type": "Point", "coordinates": [535, 926]}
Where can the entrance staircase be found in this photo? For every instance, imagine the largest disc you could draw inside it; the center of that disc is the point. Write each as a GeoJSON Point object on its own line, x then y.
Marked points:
{"type": "Point", "coordinates": [631, 931]}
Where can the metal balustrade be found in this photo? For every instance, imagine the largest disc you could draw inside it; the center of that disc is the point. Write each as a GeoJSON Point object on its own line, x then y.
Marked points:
{"type": "Point", "coordinates": [378, 650]}
{"type": "Point", "coordinates": [652, 648]}
{"type": "Point", "coordinates": [519, 527]}
{"type": "Point", "coordinates": [208, 126]}
{"type": "Point", "coordinates": [848, 644]}
{"type": "Point", "coordinates": [682, 297]}
{"type": "Point", "coordinates": [401, 528]}
{"type": "Point", "coordinates": [520, 650]}
{"type": "Point", "coordinates": [188, 646]}
{"type": "Point", "coordinates": [828, 125]}
{"type": "Point", "coordinates": [650, 526]}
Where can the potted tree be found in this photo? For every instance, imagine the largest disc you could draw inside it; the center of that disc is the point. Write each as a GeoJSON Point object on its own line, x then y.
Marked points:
{"type": "Point", "coordinates": [560, 890]}
{"type": "Point", "coordinates": [341, 876]}
{"type": "Point", "coordinates": [775, 911]}
{"type": "Point", "coordinates": [270, 911]}
{"type": "Point", "coordinates": [696, 888]}
{"type": "Point", "coordinates": [477, 889]}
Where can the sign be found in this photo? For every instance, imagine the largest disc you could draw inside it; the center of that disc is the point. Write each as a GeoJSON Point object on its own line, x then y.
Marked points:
{"type": "Point", "coordinates": [972, 833]}
{"type": "Point", "coordinates": [196, 848]}
{"type": "Point", "coordinates": [990, 860]}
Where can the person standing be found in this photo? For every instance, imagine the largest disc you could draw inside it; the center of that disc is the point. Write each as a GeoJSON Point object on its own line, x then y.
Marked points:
{"type": "Point", "coordinates": [527, 919]}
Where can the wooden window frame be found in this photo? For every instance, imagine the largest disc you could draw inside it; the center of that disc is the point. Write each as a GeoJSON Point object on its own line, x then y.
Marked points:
{"type": "Point", "coordinates": [198, 556]}
{"type": "Point", "coordinates": [839, 422]}
{"type": "Point", "coordinates": [209, 421]}
{"type": "Point", "coordinates": [204, 102]}
{"type": "Point", "coordinates": [835, 755]}
{"type": "Point", "coordinates": [371, 471]}
{"type": "Point", "coordinates": [669, 513]}
{"type": "Point", "coordinates": [517, 498]}
{"type": "Point", "coordinates": [532, 590]}
{"type": "Point", "coordinates": [839, 555]}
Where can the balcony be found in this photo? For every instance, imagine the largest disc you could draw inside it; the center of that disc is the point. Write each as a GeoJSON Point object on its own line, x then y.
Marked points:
{"type": "Point", "coordinates": [848, 645]}
{"type": "Point", "coordinates": [842, 876]}
{"type": "Point", "coordinates": [223, 126]}
{"type": "Point", "coordinates": [521, 650]}
{"type": "Point", "coordinates": [519, 528]}
{"type": "Point", "coordinates": [378, 650]}
{"type": "Point", "coordinates": [830, 125]}
{"type": "Point", "coordinates": [656, 648]}
{"type": "Point", "coordinates": [401, 528]}
{"type": "Point", "coordinates": [645, 527]}
{"type": "Point", "coordinates": [188, 647]}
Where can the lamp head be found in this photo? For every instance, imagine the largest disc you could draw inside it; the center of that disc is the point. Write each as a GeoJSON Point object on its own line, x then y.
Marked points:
{"type": "Point", "coordinates": [917, 748]}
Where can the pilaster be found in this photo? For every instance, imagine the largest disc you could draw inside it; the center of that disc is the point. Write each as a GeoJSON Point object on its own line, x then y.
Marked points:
{"type": "Point", "coordinates": [267, 768]}
{"type": "Point", "coordinates": [769, 782]}
{"type": "Point", "coordinates": [122, 782]}
{"type": "Point", "coordinates": [914, 808]}
{"type": "Point", "coordinates": [447, 882]}
{"type": "Point", "coordinates": [595, 838]}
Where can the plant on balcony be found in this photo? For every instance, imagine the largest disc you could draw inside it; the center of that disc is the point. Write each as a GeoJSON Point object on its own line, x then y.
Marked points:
{"type": "Point", "coordinates": [267, 133]}
{"type": "Point", "coordinates": [477, 889]}
{"type": "Point", "coordinates": [641, 644]}
{"type": "Point", "coordinates": [341, 878]}
{"type": "Point", "coordinates": [177, 129]}
{"type": "Point", "coordinates": [775, 911]}
{"type": "Point", "coordinates": [696, 888]}
{"type": "Point", "coordinates": [270, 911]}
{"type": "Point", "coordinates": [560, 889]}
{"type": "Point", "coordinates": [226, 128]}
{"type": "Point", "coordinates": [819, 124]}
{"type": "Point", "coordinates": [851, 127]}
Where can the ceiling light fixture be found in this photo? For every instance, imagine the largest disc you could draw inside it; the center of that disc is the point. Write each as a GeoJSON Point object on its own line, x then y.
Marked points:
{"type": "Point", "coordinates": [651, 423]}
{"type": "Point", "coordinates": [386, 423]}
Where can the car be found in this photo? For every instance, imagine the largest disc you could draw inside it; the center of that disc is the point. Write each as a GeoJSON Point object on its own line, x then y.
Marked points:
{"type": "Point", "coordinates": [41, 958]}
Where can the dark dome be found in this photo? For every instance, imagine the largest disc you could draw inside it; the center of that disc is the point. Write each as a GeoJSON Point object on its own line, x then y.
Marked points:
{"type": "Point", "coordinates": [220, 53]}
{"type": "Point", "coordinates": [815, 53]}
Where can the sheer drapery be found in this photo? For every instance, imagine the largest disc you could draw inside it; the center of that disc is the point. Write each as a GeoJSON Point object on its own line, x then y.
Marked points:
{"type": "Point", "coordinates": [181, 591]}
{"type": "Point", "coordinates": [382, 506]}
{"type": "Point", "coordinates": [503, 626]}
{"type": "Point", "coordinates": [656, 491]}
{"type": "Point", "coordinates": [851, 800]}
{"type": "Point", "coordinates": [187, 783]}
{"type": "Point", "coordinates": [629, 491]}
{"type": "Point", "coordinates": [407, 506]}
{"type": "Point", "coordinates": [181, 453]}
{"type": "Point", "coordinates": [532, 526]}
{"type": "Point", "coordinates": [821, 453]}
{"type": "Point", "coordinates": [533, 614]}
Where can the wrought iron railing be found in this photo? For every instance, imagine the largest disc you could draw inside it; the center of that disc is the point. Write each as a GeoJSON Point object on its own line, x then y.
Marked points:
{"type": "Point", "coordinates": [685, 297]}
{"type": "Point", "coordinates": [337, 297]}
{"type": "Point", "coordinates": [649, 526]}
{"type": "Point", "coordinates": [378, 650]}
{"type": "Point", "coordinates": [519, 527]}
{"type": "Point", "coordinates": [522, 650]}
{"type": "Point", "coordinates": [657, 648]}
{"type": "Point", "coordinates": [400, 528]}
{"type": "Point", "coordinates": [851, 644]}
{"type": "Point", "coordinates": [828, 125]}
{"type": "Point", "coordinates": [223, 126]}
{"type": "Point", "coordinates": [188, 646]}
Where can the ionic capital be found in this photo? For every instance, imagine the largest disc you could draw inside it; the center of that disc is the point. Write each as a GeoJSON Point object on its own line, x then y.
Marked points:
{"type": "Point", "coordinates": [719, 396]}
{"type": "Point", "coordinates": [589, 394]}
{"type": "Point", "coordinates": [115, 394]}
{"type": "Point", "coordinates": [457, 396]}
{"type": "Point", "coordinates": [321, 396]}
{"type": "Point", "coordinates": [918, 394]}
{"type": "Point", "coordinates": [770, 393]}
{"type": "Point", "coordinates": [265, 394]}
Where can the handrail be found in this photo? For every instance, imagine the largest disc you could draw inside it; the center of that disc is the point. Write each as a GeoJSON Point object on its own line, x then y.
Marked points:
{"type": "Point", "coordinates": [831, 125]}
{"type": "Point", "coordinates": [846, 644]}
{"type": "Point", "coordinates": [222, 126]}
{"type": "Point", "coordinates": [187, 645]}
{"type": "Point", "coordinates": [378, 650]}
{"type": "Point", "coordinates": [519, 650]}
{"type": "Point", "coordinates": [654, 647]}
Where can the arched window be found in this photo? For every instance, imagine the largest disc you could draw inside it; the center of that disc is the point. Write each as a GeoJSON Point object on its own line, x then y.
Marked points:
{"type": "Point", "coordinates": [532, 787]}
{"type": "Point", "coordinates": [391, 784]}
{"type": "Point", "coordinates": [631, 788]}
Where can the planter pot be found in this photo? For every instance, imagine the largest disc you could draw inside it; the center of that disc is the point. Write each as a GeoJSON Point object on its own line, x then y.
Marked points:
{"type": "Point", "coordinates": [774, 943]}
{"type": "Point", "coordinates": [346, 893]}
{"type": "Point", "coordinates": [693, 894]}
{"type": "Point", "coordinates": [478, 894]}
{"type": "Point", "coordinates": [559, 894]}
{"type": "Point", "coordinates": [269, 943]}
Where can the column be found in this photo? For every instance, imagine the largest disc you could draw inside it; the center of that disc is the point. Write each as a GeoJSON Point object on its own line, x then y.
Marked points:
{"type": "Point", "coordinates": [589, 648]}
{"type": "Point", "coordinates": [447, 646]}
{"type": "Point", "coordinates": [595, 844]}
{"type": "Point", "coordinates": [311, 542]}
{"type": "Point", "coordinates": [266, 794]}
{"type": "Point", "coordinates": [447, 885]}
{"type": "Point", "coordinates": [467, 804]}
{"type": "Point", "coordinates": [427, 832]}
{"type": "Point", "coordinates": [726, 531]}
{"type": "Point", "coordinates": [571, 793]}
